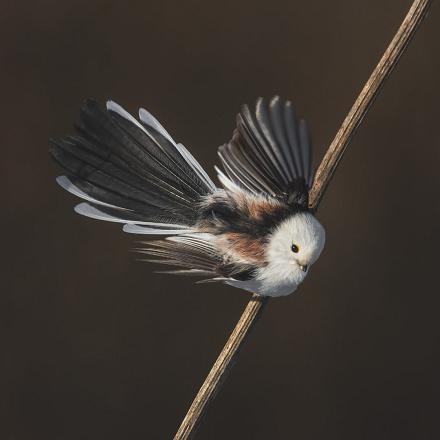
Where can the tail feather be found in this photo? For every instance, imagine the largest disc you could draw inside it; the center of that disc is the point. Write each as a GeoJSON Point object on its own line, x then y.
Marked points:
{"type": "Point", "coordinates": [196, 167]}
{"type": "Point", "coordinates": [106, 173]}
{"type": "Point", "coordinates": [158, 230]}
{"type": "Point", "coordinates": [114, 215]}
{"type": "Point", "coordinates": [159, 153]}
{"type": "Point", "coordinates": [158, 144]}
{"type": "Point", "coordinates": [150, 121]}
{"type": "Point", "coordinates": [130, 172]}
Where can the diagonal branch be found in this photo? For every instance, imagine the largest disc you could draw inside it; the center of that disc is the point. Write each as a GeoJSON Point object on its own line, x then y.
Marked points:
{"type": "Point", "coordinates": [363, 102]}
{"type": "Point", "coordinates": [325, 172]}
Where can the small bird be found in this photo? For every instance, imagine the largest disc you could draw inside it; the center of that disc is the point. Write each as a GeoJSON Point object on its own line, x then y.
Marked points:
{"type": "Point", "coordinates": [255, 232]}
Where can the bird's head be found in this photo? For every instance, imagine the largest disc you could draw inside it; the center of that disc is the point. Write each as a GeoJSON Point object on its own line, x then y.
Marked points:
{"type": "Point", "coordinates": [293, 247]}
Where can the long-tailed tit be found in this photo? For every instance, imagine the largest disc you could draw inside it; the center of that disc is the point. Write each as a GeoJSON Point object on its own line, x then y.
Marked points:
{"type": "Point", "coordinates": [255, 232]}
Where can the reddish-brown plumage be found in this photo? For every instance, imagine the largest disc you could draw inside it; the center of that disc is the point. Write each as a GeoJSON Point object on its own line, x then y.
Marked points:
{"type": "Point", "coordinates": [260, 207]}
{"type": "Point", "coordinates": [257, 207]}
{"type": "Point", "coordinates": [245, 247]}
{"type": "Point", "coordinates": [241, 223]}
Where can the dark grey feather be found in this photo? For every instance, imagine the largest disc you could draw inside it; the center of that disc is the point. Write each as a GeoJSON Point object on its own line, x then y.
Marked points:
{"type": "Point", "coordinates": [197, 256]}
{"type": "Point", "coordinates": [270, 153]}
{"type": "Point", "coordinates": [137, 169]}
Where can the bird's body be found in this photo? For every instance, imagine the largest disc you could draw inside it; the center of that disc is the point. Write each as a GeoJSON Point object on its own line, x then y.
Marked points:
{"type": "Point", "coordinates": [255, 233]}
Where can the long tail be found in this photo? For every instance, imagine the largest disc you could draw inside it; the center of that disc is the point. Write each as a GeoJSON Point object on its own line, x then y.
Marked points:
{"type": "Point", "coordinates": [131, 172]}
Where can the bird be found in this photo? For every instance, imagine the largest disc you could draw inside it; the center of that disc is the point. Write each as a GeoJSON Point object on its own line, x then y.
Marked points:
{"type": "Point", "coordinates": [254, 231]}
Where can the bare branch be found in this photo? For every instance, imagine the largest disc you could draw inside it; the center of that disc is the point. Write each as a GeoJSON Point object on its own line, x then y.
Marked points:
{"type": "Point", "coordinates": [355, 116]}
{"type": "Point", "coordinates": [323, 176]}
{"type": "Point", "coordinates": [222, 364]}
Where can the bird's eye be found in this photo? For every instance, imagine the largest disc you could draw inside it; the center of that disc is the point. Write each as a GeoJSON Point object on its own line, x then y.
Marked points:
{"type": "Point", "coordinates": [295, 248]}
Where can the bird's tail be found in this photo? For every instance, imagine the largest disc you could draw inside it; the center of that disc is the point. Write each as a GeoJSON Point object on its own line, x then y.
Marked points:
{"type": "Point", "coordinates": [131, 172]}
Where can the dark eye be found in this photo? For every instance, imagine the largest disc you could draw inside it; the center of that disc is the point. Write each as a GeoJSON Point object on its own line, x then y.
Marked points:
{"type": "Point", "coordinates": [295, 248]}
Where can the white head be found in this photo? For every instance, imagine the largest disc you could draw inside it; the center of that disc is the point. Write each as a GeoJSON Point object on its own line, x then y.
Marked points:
{"type": "Point", "coordinates": [292, 248]}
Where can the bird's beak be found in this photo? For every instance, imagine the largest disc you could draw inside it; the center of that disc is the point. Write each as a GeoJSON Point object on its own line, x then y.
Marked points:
{"type": "Point", "coordinates": [303, 267]}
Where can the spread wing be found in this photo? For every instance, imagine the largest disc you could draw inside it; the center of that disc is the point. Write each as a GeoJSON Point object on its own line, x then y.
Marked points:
{"type": "Point", "coordinates": [269, 153]}
{"type": "Point", "coordinates": [195, 254]}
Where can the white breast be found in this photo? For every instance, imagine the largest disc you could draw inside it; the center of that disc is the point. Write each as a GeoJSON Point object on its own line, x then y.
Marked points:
{"type": "Point", "coordinates": [265, 287]}
{"type": "Point", "coordinates": [283, 271]}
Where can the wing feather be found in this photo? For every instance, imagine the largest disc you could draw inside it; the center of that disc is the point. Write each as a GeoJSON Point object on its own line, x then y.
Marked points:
{"type": "Point", "coordinates": [270, 153]}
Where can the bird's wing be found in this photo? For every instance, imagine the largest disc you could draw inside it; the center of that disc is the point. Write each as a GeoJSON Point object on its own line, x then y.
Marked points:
{"type": "Point", "coordinates": [269, 153]}
{"type": "Point", "coordinates": [195, 254]}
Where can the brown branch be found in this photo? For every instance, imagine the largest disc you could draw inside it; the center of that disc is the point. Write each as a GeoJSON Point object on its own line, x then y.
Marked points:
{"type": "Point", "coordinates": [325, 172]}
{"type": "Point", "coordinates": [355, 116]}
{"type": "Point", "coordinates": [221, 366]}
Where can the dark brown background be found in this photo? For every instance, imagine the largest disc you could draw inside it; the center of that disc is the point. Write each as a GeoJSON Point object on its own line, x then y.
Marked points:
{"type": "Point", "coordinates": [96, 346]}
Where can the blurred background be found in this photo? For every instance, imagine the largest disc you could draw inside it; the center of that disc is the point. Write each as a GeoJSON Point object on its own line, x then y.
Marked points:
{"type": "Point", "coordinates": [97, 346]}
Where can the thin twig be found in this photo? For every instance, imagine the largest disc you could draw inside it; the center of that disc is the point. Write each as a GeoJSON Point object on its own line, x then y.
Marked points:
{"type": "Point", "coordinates": [355, 116]}
{"type": "Point", "coordinates": [225, 360]}
{"type": "Point", "coordinates": [323, 176]}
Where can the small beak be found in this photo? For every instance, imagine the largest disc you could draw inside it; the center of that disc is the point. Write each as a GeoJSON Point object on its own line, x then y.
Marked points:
{"type": "Point", "coordinates": [303, 267]}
